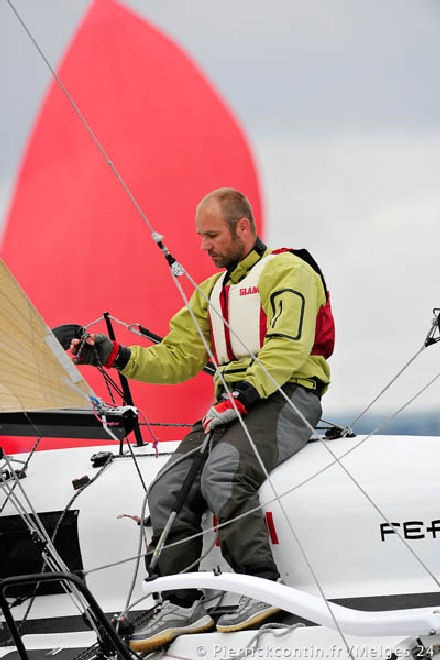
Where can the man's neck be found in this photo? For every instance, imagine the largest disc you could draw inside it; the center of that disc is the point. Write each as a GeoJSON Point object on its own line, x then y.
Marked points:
{"type": "Point", "coordinates": [254, 255]}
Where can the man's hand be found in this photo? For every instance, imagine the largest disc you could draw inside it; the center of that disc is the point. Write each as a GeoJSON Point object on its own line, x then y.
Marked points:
{"type": "Point", "coordinates": [222, 413]}
{"type": "Point", "coordinates": [65, 333]}
{"type": "Point", "coordinates": [96, 350]}
{"type": "Point", "coordinates": [244, 396]}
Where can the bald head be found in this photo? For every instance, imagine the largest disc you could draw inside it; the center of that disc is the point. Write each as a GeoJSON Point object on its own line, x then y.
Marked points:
{"type": "Point", "coordinates": [226, 225]}
{"type": "Point", "coordinates": [232, 205]}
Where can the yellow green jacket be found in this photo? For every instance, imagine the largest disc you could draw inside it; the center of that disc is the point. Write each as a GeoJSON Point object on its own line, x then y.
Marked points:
{"type": "Point", "coordinates": [285, 354]}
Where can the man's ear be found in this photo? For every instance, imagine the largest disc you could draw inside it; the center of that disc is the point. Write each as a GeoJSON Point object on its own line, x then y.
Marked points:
{"type": "Point", "coordinates": [243, 225]}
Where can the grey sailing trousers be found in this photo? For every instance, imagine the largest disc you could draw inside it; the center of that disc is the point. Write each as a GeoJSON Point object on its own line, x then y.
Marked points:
{"type": "Point", "coordinates": [228, 483]}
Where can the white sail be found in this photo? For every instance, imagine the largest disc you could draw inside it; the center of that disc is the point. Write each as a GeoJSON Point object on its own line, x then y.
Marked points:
{"type": "Point", "coordinates": [35, 373]}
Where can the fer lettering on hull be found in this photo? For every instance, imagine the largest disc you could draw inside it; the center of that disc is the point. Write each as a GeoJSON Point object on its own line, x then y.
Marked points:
{"type": "Point", "coordinates": [411, 529]}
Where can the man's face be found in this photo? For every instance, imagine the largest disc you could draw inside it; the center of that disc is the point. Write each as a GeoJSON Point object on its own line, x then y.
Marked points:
{"type": "Point", "coordinates": [217, 240]}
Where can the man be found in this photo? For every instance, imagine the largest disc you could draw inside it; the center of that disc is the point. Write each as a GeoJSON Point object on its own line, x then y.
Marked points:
{"type": "Point", "coordinates": [277, 312]}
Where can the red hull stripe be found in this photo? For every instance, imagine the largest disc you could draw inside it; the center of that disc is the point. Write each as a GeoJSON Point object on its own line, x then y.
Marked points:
{"type": "Point", "coordinates": [215, 524]}
{"type": "Point", "coordinates": [271, 528]}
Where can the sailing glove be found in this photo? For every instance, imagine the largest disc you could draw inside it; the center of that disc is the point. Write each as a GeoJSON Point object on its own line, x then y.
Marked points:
{"type": "Point", "coordinates": [224, 412]}
{"type": "Point", "coordinates": [104, 352]}
{"type": "Point", "coordinates": [65, 333]}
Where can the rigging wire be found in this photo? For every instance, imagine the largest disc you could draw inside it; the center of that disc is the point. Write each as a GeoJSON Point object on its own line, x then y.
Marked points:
{"type": "Point", "coordinates": [141, 539]}
{"type": "Point", "coordinates": [282, 495]}
{"type": "Point", "coordinates": [305, 421]}
{"type": "Point", "coordinates": [388, 385]}
{"type": "Point", "coordinates": [367, 437]}
{"type": "Point", "coordinates": [178, 424]}
{"type": "Point", "coordinates": [136, 463]}
{"type": "Point", "coordinates": [81, 117]}
{"type": "Point", "coordinates": [156, 237]}
{"type": "Point", "coordinates": [336, 459]}
{"type": "Point", "coordinates": [278, 497]}
{"type": "Point", "coordinates": [51, 555]}
{"type": "Point", "coordinates": [111, 383]}
{"type": "Point", "coordinates": [257, 454]}
{"type": "Point", "coordinates": [35, 446]}
{"type": "Point", "coordinates": [35, 526]}
{"type": "Point", "coordinates": [98, 320]}
{"type": "Point", "coordinates": [429, 341]}
{"type": "Point", "coordinates": [56, 530]}
{"type": "Point", "coordinates": [24, 468]}
{"type": "Point", "coordinates": [176, 270]}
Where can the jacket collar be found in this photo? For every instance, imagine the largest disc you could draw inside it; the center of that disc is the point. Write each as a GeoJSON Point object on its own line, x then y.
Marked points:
{"type": "Point", "coordinates": [237, 271]}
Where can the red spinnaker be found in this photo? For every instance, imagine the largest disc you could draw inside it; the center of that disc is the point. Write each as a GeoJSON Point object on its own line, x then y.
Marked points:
{"type": "Point", "coordinates": [74, 240]}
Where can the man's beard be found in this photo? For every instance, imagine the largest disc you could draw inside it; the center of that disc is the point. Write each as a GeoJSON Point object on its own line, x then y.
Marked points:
{"type": "Point", "coordinates": [235, 253]}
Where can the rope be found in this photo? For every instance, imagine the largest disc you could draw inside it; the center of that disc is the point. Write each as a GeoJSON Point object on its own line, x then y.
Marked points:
{"type": "Point", "coordinates": [387, 520]}
{"type": "Point", "coordinates": [111, 383]}
{"type": "Point", "coordinates": [153, 436]}
{"type": "Point", "coordinates": [136, 569]}
{"type": "Point", "coordinates": [108, 380]}
{"type": "Point", "coordinates": [131, 327]}
{"type": "Point", "coordinates": [429, 341]}
{"type": "Point", "coordinates": [133, 457]}
{"type": "Point", "coordinates": [82, 119]}
{"type": "Point", "coordinates": [388, 385]}
{"type": "Point", "coordinates": [34, 525]}
{"type": "Point", "coordinates": [179, 424]}
{"type": "Point", "coordinates": [277, 497]}
{"type": "Point", "coordinates": [98, 320]}
{"type": "Point", "coordinates": [336, 460]}
{"type": "Point", "coordinates": [289, 491]}
{"type": "Point", "coordinates": [266, 628]}
{"type": "Point", "coordinates": [183, 570]}
{"type": "Point", "coordinates": [255, 449]}
{"type": "Point", "coordinates": [365, 438]}
{"type": "Point", "coordinates": [50, 555]}
{"type": "Point", "coordinates": [25, 466]}
{"type": "Point", "coordinates": [177, 270]}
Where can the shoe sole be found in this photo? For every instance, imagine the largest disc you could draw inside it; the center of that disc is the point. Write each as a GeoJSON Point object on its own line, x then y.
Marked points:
{"type": "Point", "coordinates": [252, 621]}
{"type": "Point", "coordinates": [165, 637]}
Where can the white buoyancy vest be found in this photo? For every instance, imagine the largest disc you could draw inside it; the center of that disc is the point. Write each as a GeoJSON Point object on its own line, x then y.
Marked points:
{"type": "Point", "coordinates": [240, 306]}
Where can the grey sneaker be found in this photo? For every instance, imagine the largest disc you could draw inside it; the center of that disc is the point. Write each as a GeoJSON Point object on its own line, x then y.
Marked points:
{"type": "Point", "coordinates": [167, 622]}
{"type": "Point", "coordinates": [249, 612]}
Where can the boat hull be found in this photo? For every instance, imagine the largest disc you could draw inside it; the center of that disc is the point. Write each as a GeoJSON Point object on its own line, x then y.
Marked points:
{"type": "Point", "coordinates": [367, 525]}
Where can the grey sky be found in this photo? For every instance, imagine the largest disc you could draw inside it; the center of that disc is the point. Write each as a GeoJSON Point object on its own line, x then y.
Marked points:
{"type": "Point", "coordinates": [341, 104]}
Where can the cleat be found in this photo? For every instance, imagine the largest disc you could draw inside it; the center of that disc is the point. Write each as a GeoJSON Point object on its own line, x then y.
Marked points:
{"type": "Point", "coordinates": [167, 621]}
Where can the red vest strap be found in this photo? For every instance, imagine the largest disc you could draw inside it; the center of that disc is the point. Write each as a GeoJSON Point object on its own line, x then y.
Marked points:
{"type": "Point", "coordinates": [324, 343]}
